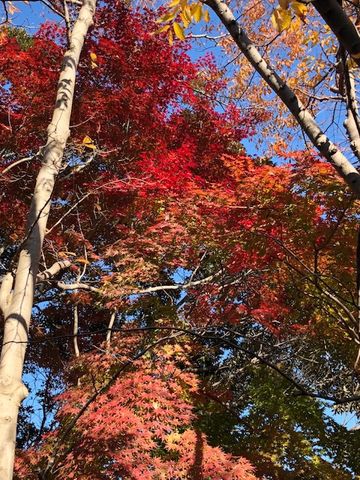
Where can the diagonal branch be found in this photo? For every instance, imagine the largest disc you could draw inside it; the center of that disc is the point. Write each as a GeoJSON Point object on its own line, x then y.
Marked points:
{"type": "Point", "coordinates": [341, 25]}
{"type": "Point", "coordinates": [304, 118]}
{"type": "Point", "coordinates": [352, 122]}
{"type": "Point", "coordinates": [53, 270]}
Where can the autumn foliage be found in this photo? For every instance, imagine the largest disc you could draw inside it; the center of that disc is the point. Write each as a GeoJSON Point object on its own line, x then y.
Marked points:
{"type": "Point", "coordinates": [172, 226]}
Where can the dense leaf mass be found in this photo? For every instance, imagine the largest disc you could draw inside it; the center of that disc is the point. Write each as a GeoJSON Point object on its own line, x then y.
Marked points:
{"type": "Point", "coordinates": [225, 315]}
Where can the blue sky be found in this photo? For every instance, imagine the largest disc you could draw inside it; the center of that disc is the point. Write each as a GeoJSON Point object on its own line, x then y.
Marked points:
{"type": "Point", "coordinates": [30, 17]}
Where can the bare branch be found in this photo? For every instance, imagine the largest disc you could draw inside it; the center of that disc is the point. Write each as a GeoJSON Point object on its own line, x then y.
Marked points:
{"type": "Point", "coordinates": [19, 162]}
{"type": "Point", "coordinates": [77, 286]}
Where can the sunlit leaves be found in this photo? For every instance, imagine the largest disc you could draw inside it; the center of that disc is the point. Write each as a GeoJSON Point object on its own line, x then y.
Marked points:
{"type": "Point", "coordinates": [281, 17]}
{"type": "Point", "coordinates": [181, 13]}
{"type": "Point", "coordinates": [179, 32]}
{"type": "Point", "coordinates": [88, 142]}
{"type": "Point", "coordinates": [300, 9]}
{"type": "Point", "coordinates": [196, 11]}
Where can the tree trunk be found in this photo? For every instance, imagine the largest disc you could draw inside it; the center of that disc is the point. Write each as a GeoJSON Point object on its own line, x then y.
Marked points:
{"type": "Point", "coordinates": [304, 118]}
{"type": "Point", "coordinates": [336, 18]}
{"type": "Point", "coordinates": [17, 303]}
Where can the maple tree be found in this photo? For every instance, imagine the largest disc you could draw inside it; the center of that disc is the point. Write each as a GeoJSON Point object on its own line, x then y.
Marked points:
{"type": "Point", "coordinates": [304, 50]}
{"type": "Point", "coordinates": [171, 257]}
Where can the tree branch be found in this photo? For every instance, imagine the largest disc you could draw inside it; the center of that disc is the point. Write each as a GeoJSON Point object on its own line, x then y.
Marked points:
{"type": "Point", "coordinates": [53, 270]}
{"type": "Point", "coordinates": [304, 118]}
{"type": "Point", "coordinates": [341, 25]}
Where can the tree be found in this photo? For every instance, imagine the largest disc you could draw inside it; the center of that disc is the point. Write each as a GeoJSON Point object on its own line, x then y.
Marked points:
{"type": "Point", "coordinates": [137, 119]}
{"type": "Point", "coordinates": [165, 231]}
{"type": "Point", "coordinates": [129, 431]}
{"type": "Point", "coordinates": [17, 293]}
{"type": "Point", "coordinates": [337, 60]}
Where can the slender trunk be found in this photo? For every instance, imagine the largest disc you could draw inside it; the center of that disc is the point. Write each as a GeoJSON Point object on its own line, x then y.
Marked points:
{"type": "Point", "coordinates": [19, 302]}
{"type": "Point", "coordinates": [304, 118]}
{"type": "Point", "coordinates": [109, 330]}
{"type": "Point", "coordinates": [352, 122]}
{"type": "Point", "coordinates": [75, 331]}
{"type": "Point", "coordinates": [75, 339]}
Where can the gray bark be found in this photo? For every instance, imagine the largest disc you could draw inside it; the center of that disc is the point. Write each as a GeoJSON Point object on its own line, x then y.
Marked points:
{"type": "Point", "coordinates": [341, 25]}
{"type": "Point", "coordinates": [352, 120]}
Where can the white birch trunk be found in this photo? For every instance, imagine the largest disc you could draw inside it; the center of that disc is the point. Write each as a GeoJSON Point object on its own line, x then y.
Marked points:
{"type": "Point", "coordinates": [18, 305]}
{"type": "Point", "coordinates": [109, 330]}
{"type": "Point", "coordinates": [352, 120]}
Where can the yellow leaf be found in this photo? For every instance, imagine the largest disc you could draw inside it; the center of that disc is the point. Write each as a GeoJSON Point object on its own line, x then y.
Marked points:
{"type": "Point", "coordinates": [295, 25]}
{"type": "Point", "coordinates": [167, 17]}
{"type": "Point", "coordinates": [300, 9]}
{"type": "Point", "coordinates": [93, 58]}
{"type": "Point", "coordinates": [197, 11]}
{"type": "Point", "coordinates": [206, 16]}
{"type": "Point", "coordinates": [173, 3]}
{"type": "Point", "coordinates": [281, 19]}
{"type": "Point", "coordinates": [171, 37]}
{"type": "Point", "coordinates": [88, 142]}
{"type": "Point", "coordinates": [179, 32]}
{"type": "Point", "coordinates": [184, 20]}
{"type": "Point", "coordinates": [165, 28]}
{"type": "Point", "coordinates": [186, 11]}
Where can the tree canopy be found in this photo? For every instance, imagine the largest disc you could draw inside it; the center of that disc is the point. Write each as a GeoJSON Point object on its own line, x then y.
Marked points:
{"type": "Point", "coordinates": [190, 265]}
